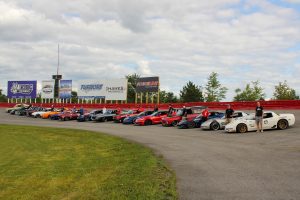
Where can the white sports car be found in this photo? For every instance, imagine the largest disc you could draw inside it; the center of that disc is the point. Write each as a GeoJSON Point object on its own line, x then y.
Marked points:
{"type": "Point", "coordinates": [218, 124]}
{"type": "Point", "coordinates": [271, 120]}
{"type": "Point", "coordinates": [39, 113]}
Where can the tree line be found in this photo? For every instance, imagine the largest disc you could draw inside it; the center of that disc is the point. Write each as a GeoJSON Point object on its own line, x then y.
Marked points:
{"type": "Point", "coordinates": [213, 91]}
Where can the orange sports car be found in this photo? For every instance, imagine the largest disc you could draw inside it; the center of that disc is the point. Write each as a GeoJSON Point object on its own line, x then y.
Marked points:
{"type": "Point", "coordinates": [46, 115]}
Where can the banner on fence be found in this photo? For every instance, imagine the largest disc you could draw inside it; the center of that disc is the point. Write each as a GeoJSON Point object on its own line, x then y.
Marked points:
{"type": "Point", "coordinates": [91, 89]}
{"type": "Point", "coordinates": [21, 89]}
{"type": "Point", "coordinates": [65, 89]}
{"type": "Point", "coordinates": [147, 84]}
{"type": "Point", "coordinates": [116, 89]}
{"type": "Point", "coordinates": [47, 89]}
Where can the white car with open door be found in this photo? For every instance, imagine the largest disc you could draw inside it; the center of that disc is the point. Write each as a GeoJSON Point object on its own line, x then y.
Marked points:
{"type": "Point", "coordinates": [219, 123]}
{"type": "Point", "coordinates": [271, 120]}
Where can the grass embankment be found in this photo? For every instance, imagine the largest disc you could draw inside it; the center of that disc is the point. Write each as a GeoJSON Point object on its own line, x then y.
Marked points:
{"type": "Point", "coordinates": [49, 163]}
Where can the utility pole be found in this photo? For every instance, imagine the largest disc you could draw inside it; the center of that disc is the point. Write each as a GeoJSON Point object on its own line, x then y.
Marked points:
{"type": "Point", "coordinates": [57, 77]}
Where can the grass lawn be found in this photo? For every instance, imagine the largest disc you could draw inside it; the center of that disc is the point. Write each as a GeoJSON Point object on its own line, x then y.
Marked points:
{"type": "Point", "coordinates": [51, 163]}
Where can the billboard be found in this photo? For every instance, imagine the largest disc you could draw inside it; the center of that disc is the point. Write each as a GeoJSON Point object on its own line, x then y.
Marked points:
{"type": "Point", "coordinates": [65, 89]}
{"type": "Point", "coordinates": [47, 89]}
{"type": "Point", "coordinates": [91, 89]}
{"type": "Point", "coordinates": [147, 84]}
{"type": "Point", "coordinates": [116, 89]}
{"type": "Point", "coordinates": [21, 89]}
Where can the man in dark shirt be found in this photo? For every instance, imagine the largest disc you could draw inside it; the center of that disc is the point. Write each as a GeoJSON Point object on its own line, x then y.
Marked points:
{"type": "Point", "coordinates": [184, 112]}
{"type": "Point", "coordinates": [228, 114]}
{"type": "Point", "coordinates": [155, 108]}
{"type": "Point", "coordinates": [81, 112]}
{"type": "Point", "coordinates": [259, 111]}
{"type": "Point", "coordinates": [170, 111]}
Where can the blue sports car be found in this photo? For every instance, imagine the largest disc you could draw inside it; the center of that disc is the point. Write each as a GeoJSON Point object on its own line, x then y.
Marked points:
{"type": "Point", "coordinates": [196, 122]}
{"type": "Point", "coordinates": [131, 119]}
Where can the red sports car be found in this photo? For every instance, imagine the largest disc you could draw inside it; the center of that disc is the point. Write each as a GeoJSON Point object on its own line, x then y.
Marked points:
{"type": "Point", "coordinates": [155, 118]}
{"type": "Point", "coordinates": [173, 120]}
{"type": "Point", "coordinates": [119, 118]}
{"type": "Point", "coordinates": [68, 116]}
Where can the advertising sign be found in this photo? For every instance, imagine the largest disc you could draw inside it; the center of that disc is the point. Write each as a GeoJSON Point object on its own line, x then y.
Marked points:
{"type": "Point", "coordinates": [91, 89]}
{"type": "Point", "coordinates": [47, 89]}
{"type": "Point", "coordinates": [21, 89]}
{"type": "Point", "coordinates": [65, 89]}
{"type": "Point", "coordinates": [147, 84]}
{"type": "Point", "coordinates": [116, 89]}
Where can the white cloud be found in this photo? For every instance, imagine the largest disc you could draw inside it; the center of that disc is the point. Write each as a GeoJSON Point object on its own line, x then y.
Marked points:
{"type": "Point", "coordinates": [143, 68]}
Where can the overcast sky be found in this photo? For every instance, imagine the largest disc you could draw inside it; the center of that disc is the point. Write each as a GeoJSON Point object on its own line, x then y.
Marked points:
{"type": "Point", "coordinates": [241, 40]}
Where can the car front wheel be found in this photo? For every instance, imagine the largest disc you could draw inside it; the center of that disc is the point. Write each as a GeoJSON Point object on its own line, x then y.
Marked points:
{"type": "Point", "coordinates": [148, 122]}
{"type": "Point", "coordinates": [241, 128]}
{"type": "Point", "coordinates": [282, 124]}
{"type": "Point", "coordinates": [215, 126]}
{"type": "Point", "coordinates": [192, 124]}
{"type": "Point", "coordinates": [174, 123]}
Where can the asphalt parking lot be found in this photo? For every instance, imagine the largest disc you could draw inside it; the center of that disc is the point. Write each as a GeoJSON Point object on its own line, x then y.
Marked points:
{"type": "Point", "coordinates": [212, 165]}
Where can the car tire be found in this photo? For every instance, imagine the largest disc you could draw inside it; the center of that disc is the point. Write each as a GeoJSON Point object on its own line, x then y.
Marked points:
{"type": "Point", "coordinates": [174, 123]}
{"type": "Point", "coordinates": [182, 126]}
{"type": "Point", "coordinates": [66, 119]}
{"type": "Point", "coordinates": [214, 126]}
{"type": "Point", "coordinates": [282, 124]}
{"type": "Point", "coordinates": [192, 124]}
{"type": "Point", "coordinates": [241, 128]}
{"type": "Point", "coordinates": [148, 122]}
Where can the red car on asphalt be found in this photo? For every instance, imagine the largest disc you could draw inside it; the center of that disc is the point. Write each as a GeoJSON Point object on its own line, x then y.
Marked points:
{"type": "Point", "coordinates": [173, 120]}
{"type": "Point", "coordinates": [192, 112]}
{"type": "Point", "coordinates": [128, 113]}
{"type": "Point", "coordinates": [68, 116]}
{"type": "Point", "coordinates": [154, 118]}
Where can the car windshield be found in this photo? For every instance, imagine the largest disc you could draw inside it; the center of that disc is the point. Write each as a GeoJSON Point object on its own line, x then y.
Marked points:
{"type": "Point", "coordinates": [179, 112]}
{"type": "Point", "coordinates": [127, 112]}
{"type": "Point", "coordinates": [154, 114]}
{"type": "Point", "coordinates": [199, 116]}
{"type": "Point", "coordinates": [142, 114]}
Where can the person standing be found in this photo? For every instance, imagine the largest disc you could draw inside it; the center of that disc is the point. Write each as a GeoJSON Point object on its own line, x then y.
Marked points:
{"type": "Point", "coordinates": [184, 112]}
{"type": "Point", "coordinates": [74, 109]}
{"type": "Point", "coordinates": [259, 111]}
{"type": "Point", "coordinates": [205, 114]}
{"type": "Point", "coordinates": [81, 112]}
{"type": "Point", "coordinates": [228, 114]}
{"type": "Point", "coordinates": [170, 111]}
{"type": "Point", "coordinates": [155, 108]}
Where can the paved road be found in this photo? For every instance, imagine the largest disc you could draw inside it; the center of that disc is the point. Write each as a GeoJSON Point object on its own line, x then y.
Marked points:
{"type": "Point", "coordinates": [213, 165]}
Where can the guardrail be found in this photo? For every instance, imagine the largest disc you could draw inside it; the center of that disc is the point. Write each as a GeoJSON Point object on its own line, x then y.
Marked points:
{"type": "Point", "coordinates": [245, 105]}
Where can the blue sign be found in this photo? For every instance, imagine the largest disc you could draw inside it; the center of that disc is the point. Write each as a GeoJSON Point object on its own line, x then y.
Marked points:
{"type": "Point", "coordinates": [21, 89]}
{"type": "Point", "coordinates": [65, 89]}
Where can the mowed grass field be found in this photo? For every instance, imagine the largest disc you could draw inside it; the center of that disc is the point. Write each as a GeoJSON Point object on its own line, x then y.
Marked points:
{"type": "Point", "coordinates": [51, 163]}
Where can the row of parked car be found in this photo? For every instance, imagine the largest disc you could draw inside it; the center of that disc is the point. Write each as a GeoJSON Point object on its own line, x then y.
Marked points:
{"type": "Point", "coordinates": [241, 122]}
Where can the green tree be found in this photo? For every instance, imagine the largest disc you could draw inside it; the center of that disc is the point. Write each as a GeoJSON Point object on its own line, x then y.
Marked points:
{"type": "Point", "coordinates": [191, 93]}
{"type": "Point", "coordinates": [3, 98]}
{"type": "Point", "coordinates": [132, 81]}
{"type": "Point", "coordinates": [284, 92]}
{"type": "Point", "coordinates": [167, 97]}
{"type": "Point", "coordinates": [251, 92]}
{"type": "Point", "coordinates": [214, 90]}
{"type": "Point", "coordinates": [74, 97]}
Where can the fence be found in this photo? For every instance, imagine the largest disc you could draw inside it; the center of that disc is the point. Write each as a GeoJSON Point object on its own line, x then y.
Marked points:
{"type": "Point", "coordinates": [246, 105]}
